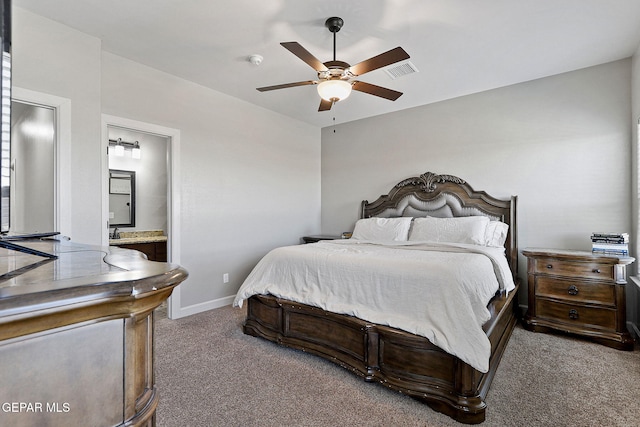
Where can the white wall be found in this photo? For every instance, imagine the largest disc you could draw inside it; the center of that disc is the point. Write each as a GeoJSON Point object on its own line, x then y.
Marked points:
{"type": "Point", "coordinates": [57, 60]}
{"type": "Point", "coordinates": [562, 144]}
{"type": "Point", "coordinates": [250, 177]}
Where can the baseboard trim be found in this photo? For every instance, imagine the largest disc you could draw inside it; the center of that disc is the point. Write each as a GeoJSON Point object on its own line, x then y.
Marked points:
{"type": "Point", "coordinates": [201, 307]}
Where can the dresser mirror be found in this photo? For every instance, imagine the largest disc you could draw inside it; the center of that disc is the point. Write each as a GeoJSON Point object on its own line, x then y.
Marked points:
{"type": "Point", "coordinates": [122, 198]}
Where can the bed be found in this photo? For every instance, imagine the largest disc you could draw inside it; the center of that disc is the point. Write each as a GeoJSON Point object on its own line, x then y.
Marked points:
{"type": "Point", "coordinates": [397, 349]}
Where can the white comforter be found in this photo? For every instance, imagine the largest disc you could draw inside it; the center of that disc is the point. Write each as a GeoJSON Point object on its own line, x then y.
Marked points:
{"type": "Point", "coordinates": [438, 291]}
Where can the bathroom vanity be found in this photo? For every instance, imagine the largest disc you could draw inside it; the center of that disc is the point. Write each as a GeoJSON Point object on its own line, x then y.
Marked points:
{"type": "Point", "coordinates": [152, 243]}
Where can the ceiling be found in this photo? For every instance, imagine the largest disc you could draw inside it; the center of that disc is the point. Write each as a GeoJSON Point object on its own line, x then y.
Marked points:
{"type": "Point", "coordinates": [458, 46]}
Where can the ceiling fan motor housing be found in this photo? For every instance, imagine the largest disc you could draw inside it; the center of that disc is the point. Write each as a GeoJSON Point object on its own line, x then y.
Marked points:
{"type": "Point", "coordinates": [336, 70]}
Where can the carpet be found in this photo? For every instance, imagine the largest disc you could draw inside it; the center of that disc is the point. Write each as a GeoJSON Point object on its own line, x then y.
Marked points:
{"type": "Point", "coordinates": [208, 373]}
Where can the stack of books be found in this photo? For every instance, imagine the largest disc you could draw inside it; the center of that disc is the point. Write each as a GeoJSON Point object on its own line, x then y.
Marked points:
{"type": "Point", "coordinates": [610, 243]}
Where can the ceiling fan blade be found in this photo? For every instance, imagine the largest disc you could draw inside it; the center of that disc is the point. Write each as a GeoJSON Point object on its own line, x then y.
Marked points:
{"type": "Point", "coordinates": [387, 58]}
{"type": "Point", "coordinates": [380, 91]}
{"type": "Point", "coordinates": [305, 55]}
{"type": "Point", "coordinates": [286, 85]}
{"type": "Point", "coordinates": [325, 105]}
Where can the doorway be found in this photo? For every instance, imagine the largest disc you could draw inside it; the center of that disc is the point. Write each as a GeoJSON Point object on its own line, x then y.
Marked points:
{"type": "Point", "coordinates": [152, 137]}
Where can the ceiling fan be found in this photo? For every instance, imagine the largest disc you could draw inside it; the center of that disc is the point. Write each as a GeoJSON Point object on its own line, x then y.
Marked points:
{"type": "Point", "coordinates": [335, 77]}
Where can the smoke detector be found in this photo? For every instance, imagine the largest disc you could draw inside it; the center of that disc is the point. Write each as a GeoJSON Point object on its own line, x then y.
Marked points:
{"type": "Point", "coordinates": [255, 59]}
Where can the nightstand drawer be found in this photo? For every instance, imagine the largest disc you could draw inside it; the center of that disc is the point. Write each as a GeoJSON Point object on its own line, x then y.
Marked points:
{"type": "Point", "coordinates": [576, 314]}
{"type": "Point", "coordinates": [580, 292]}
{"type": "Point", "coordinates": [587, 270]}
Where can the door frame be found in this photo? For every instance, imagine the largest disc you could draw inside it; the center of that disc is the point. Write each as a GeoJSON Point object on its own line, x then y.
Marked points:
{"type": "Point", "coordinates": [173, 190]}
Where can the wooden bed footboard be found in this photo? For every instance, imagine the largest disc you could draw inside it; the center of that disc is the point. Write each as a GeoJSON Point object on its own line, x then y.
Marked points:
{"type": "Point", "coordinates": [399, 360]}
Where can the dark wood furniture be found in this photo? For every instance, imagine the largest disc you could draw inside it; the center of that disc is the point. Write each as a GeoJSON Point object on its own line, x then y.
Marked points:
{"type": "Point", "coordinates": [399, 360]}
{"type": "Point", "coordinates": [155, 251]}
{"type": "Point", "coordinates": [579, 293]}
{"type": "Point", "coordinates": [319, 237]}
{"type": "Point", "coordinates": [76, 335]}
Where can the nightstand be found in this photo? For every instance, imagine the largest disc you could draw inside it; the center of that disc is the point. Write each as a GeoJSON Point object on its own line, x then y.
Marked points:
{"type": "Point", "coordinates": [317, 238]}
{"type": "Point", "coordinates": [580, 293]}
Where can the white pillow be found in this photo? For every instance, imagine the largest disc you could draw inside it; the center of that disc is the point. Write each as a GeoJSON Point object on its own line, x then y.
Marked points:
{"type": "Point", "coordinates": [382, 229]}
{"type": "Point", "coordinates": [496, 234]}
{"type": "Point", "coordinates": [466, 229]}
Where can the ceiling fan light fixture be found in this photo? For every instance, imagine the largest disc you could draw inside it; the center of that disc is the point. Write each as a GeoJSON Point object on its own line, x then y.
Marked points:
{"type": "Point", "coordinates": [334, 90]}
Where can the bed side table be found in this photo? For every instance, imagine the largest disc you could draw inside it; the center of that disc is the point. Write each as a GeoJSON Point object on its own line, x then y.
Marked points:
{"type": "Point", "coordinates": [318, 237]}
{"type": "Point", "coordinates": [579, 293]}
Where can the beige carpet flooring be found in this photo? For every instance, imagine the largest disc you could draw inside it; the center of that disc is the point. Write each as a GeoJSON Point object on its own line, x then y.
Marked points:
{"type": "Point", "coordinates": [209, 373]}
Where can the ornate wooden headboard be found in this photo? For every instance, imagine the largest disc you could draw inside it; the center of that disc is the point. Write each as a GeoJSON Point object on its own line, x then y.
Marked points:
{"type": "Point", "coordinates": [446, 196]}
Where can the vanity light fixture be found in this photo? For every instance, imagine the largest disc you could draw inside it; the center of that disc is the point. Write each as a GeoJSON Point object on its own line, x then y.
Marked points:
{"type": "Point", "coordinates": [135, 151]}
{"type": "Point", "coordinates": [119, 147]}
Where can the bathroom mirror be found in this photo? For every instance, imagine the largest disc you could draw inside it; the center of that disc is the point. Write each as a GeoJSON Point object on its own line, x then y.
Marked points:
{"type": "Point", "coordinates": [122, 198]}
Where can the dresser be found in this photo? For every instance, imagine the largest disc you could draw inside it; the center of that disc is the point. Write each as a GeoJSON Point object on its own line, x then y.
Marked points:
{"type": "Point", "coordinates": [579, 293]}
{"type": "Point", "coordinates": [76, 335]}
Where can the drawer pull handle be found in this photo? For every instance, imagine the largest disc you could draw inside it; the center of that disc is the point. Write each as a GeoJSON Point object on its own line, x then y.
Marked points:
{"type": "Point", "coordinates": [596, 270]}
{"type": "Point", "coordinates": [573, 290]}
{"type": "Point", "coordinates": [573, 314]}
{"type": "Point", "coordinates": [549, 266]}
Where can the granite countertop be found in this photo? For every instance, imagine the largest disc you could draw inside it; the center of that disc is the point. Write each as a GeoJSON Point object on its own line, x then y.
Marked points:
{"type": "Point", "coordinates": [133, 237]}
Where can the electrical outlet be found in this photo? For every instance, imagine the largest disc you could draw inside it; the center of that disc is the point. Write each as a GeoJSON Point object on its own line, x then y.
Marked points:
{"type": "Point", "coordinates": [225, 278]}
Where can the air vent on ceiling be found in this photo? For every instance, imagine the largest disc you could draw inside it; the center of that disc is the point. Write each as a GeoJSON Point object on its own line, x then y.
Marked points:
{"type": "Point", "coordinates": [401, 70]}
